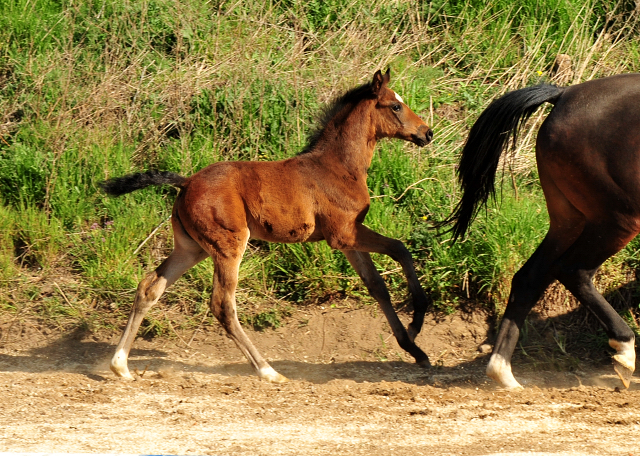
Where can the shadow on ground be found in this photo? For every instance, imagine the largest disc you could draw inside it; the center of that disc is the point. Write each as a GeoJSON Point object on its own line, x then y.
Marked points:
{"type": "Point", "coordinates": [561, 344]}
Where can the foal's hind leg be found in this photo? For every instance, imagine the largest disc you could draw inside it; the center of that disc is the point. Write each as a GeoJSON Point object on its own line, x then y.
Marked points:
{"type": "Point", "coordinates": [362, 263]}
{"type": "Point", "coordinates": [186, 253]}
{"type": "Point", "coordinates": [575, 270]}
{"type": "Point", "coordinates": [223, 306]}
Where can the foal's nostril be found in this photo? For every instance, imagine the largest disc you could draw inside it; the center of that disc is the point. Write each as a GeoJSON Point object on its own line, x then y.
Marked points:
{"type": "Point", "coordinates": [423, 136]}
{"type": "Point", "coordinates": [429, 134]}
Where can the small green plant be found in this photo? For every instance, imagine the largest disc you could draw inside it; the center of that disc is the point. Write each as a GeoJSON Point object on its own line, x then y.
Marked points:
{"type": "Point", "coordinates": [93, 90]}
{"type": "Point", "coordinates": [272, 318]}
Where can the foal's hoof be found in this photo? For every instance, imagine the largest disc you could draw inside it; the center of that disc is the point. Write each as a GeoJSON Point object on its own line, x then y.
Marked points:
{"type": "Point", "coordinates": [279, 379]}
{"type": "Point", "coordinates": [124, 374]}
{"type": "Point", "coordinates": [425, 363]}
{"type": "Point", "coordinates": [514, 387]}
{"type": "Point", "coordinates": [127, 376]}
{"type": "Point", "coordinates": [623, 370]}
{"type": "Point", "coordinates": [507, 384]}
{"type": "Point", "coordinates": [119, 366]}
{"type": "Point", "coordinates": [270, 375]}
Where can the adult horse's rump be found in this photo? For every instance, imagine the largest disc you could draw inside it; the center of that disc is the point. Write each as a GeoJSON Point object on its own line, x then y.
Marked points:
{"type": "Point", "coordinates": [320, 194]}
{"type": "Point", "coordinates": [588, 156]}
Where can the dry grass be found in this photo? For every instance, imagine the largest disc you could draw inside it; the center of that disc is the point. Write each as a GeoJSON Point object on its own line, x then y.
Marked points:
{"type": "Point", "coordinates": [180, 85]}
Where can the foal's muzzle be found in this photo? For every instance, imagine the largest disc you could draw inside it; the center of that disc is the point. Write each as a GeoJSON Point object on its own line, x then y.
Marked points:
{"type": "Point", "coordinates": [423, 136]}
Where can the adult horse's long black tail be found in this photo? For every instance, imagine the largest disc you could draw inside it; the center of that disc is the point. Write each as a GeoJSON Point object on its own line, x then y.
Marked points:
{"type": "Point", "coordinates": [488, 139]}
{"type": "Point", "coordinates": [127, 184]}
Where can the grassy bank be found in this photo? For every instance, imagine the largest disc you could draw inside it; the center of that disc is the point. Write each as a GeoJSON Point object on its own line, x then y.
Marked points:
{"type": "Point", "coordinates": [98, 89]}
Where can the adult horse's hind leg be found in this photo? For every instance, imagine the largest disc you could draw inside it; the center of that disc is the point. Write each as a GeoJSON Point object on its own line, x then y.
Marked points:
{"type": "Point", "coordinates": [362, 263]}
{"type": "Point", "coordinates": [186, 253]}
{"type": "Point", "coordinates": [527, 287]}
{"type": "Point", "coordinates": [575, 270]}
{"type": "Point", "coordinates": [530, 282]}
{"type": "Point", "coordinates": [223, 306]}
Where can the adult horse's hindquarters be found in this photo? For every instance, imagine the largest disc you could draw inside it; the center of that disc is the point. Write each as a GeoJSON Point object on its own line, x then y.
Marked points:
{"type": "Point", "coordinates": [320, 194]}
{"type": "Point", "coordinates": [588, 156]}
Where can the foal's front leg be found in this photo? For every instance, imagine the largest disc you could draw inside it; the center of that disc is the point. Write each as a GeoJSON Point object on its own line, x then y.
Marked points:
{"type": "Point", "coordinates": [367, 240]}
{"type": "Point", "coordinates": [362, 263]}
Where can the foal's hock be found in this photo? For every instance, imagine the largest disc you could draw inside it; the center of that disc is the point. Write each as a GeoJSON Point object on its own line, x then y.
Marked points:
{"type": "Point", "coordinates": [320, 194]}
{"type": "Point", "coordinates": [588, 156]}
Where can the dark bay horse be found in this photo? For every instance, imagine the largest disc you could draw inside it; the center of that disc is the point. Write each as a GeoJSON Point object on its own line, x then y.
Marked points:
{"type": "Point", "coordinates": [320, 194]}
{"type": "Point", "coordinates": [588, 156]}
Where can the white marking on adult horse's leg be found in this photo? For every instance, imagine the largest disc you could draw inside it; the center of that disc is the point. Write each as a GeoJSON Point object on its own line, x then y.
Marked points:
{"type": "Point", "coordinates": [624, 361]}
{"type": "Point", "coordinates": [270, 374]}
{"type": "Point", "coordinates": [399, 98]}
{"type": "Point", "coordinates": [499, 369]}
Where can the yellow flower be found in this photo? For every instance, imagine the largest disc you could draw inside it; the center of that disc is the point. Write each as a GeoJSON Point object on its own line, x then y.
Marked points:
{"type": "Point", "coordinates": [539, 73]}
{"type": "Point", "coordinates": [424, 217]}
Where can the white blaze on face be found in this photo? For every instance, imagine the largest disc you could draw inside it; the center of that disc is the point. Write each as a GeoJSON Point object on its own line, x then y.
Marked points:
{"type": "Point", "coordinates": [399, 98]}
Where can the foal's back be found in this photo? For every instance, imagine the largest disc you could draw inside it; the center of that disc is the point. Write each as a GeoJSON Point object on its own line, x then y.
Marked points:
{"type": "Point", "coordinates": [278, 201]}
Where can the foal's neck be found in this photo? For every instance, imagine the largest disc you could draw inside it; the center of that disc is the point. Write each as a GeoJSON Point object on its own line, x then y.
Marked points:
{"type": "Point", "coordinates": [349, 138]}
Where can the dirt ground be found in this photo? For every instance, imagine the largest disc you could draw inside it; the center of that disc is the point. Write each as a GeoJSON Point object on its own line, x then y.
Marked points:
{"type": "Point", "coordinates": [351, 391]}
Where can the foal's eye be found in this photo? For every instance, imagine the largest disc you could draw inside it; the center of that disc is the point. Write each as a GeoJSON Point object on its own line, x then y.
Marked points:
{"type": "Point", "coordinates": [396, 107]}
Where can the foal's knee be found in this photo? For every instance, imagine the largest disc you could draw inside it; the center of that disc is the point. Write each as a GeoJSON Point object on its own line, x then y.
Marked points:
{"type": "Point", "coordinates": [224, 312]}
{"type": "Point", "coordinates": [149, 291]}
{"type": "Point", "coordinates": [376, 287]}
{"type": "Point", "coordinates": [400, 253]}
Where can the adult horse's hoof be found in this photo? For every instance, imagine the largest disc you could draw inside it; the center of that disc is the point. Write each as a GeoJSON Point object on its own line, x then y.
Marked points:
{"type": "Point", "coordinates": [425, 363]}
{"type": "Point", "coordinates": [499, 369]}
{"type": "Point", "coordinates": [623, 370]}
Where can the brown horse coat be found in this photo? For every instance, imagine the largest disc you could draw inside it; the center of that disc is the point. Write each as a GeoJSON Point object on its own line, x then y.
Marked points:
{"type": "Point", "coordinates": [588, 155]}
{"type": "Point", "coordinates": [320, 194]}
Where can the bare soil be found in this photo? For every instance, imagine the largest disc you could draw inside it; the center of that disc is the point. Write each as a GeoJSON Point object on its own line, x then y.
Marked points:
{"type": "Point", "coordinates": [352, 391]}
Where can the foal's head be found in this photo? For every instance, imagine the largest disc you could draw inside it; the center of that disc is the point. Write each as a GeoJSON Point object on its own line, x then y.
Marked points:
{"type": "Point", "coordinates": [393, 118]}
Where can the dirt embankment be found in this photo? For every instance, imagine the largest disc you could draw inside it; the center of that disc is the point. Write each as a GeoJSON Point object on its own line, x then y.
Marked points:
{"type": "Point", "coordinates": [351, 391]}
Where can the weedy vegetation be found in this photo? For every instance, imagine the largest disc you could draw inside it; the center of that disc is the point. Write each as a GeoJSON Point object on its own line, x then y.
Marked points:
{"type": "Point", "coordinates": [97, 89]}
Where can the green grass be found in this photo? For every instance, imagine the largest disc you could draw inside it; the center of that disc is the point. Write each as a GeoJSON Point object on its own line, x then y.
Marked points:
{"type": "Point", "coordinates": [98, 89]}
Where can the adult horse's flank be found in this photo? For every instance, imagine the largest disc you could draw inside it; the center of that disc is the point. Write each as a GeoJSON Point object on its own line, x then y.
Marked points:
{"type": "Point", "coordinates": [588, 155]}
{"type": "Point", "coordinates": [320, 194]}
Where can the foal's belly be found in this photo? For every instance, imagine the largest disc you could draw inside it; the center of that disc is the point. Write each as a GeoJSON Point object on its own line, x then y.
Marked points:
{"type": "Point", "coordinates": [288, 231]}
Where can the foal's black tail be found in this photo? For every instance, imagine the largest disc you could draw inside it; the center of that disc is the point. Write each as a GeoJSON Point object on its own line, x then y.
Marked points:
{"type": "Point", "coordinates": [487, 140]}
{"type": "Point", "coordinates": [127, 184]}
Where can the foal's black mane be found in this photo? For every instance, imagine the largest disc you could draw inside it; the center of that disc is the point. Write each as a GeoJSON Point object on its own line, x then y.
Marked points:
{"type": "Point", "coordinates": [328, 112]}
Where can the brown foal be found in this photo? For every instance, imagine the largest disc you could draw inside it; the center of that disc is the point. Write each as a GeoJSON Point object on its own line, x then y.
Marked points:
{"type": "Point", "coordinates": [320, 194]}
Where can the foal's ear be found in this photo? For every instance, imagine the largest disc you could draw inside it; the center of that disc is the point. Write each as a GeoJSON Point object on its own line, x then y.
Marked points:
{"type": "Point", "coordinates": [376, 84]}
{"type": "Point", "coordinates": [380, 80]}
{"type": "Point", "coordinates": [387, 76]}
